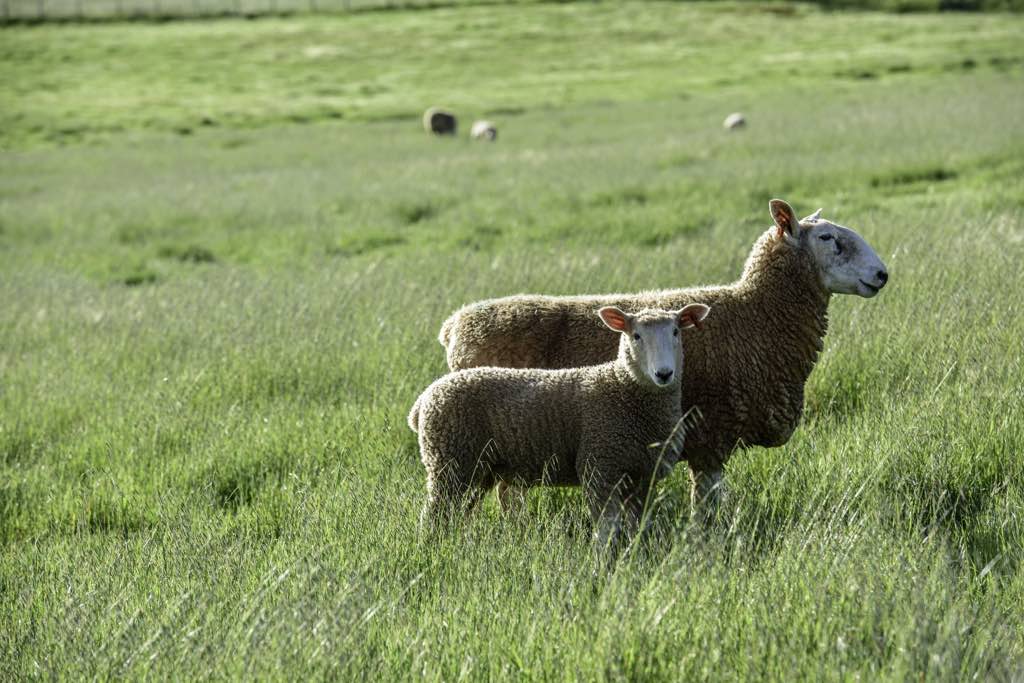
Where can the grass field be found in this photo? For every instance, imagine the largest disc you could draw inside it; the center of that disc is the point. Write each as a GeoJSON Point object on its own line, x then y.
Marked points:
{"type": "Point", "coordinates": [210, 336]}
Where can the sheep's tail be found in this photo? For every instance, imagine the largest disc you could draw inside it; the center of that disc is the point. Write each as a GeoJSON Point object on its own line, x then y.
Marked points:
{"type": "Point", "coordinates": [447, 329]}
{"type": "Point", "coordinates": [414, 416]}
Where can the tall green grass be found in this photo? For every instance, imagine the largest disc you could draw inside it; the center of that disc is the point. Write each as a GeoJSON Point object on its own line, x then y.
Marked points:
{"type": "Point", "coordinates": [209, 343]}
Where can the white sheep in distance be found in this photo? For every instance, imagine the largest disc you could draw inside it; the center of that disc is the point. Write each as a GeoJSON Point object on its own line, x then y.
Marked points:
{"type": "Point", "coordinates": [591, 427]}
{"type": "Point", "coordinates": [745, 373]}
{"type": "Point", "coordinates": [734, 121]}
{"type": "Point", "coordinates": [483, 130]}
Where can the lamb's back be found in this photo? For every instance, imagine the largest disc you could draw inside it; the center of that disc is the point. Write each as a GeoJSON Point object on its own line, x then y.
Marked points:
{"type": "Point", "coordinates": [517, 419]}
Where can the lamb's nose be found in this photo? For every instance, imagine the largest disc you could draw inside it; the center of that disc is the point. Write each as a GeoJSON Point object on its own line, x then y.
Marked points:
{"type": "Point", "coordinates": [882, 276]}
{"type": "Point", "coordinates": [664, 375]}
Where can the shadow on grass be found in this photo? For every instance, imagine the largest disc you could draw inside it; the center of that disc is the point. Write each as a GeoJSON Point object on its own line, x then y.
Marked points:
{"type": "Point", "coordinates": [238, 484]}
{"type": "Point", "coordinates": [910, 176]}
{"type": "Point", "coordinates": [190, 254]}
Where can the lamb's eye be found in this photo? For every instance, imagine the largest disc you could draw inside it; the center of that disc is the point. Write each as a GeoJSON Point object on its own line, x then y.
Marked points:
{"type": "Point", "coordinates": [675, 332]}
{"type": "Point", "coordinates": [825, 238]}
{"type": "Point", "coordinates": [636, 336]}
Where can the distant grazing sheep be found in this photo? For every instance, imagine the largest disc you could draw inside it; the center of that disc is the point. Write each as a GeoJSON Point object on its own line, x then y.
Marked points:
{"type": "Point", "coordinates": [483, 130]}
{"type": "Point", "coordinates": [734, 121]}
{"type": "Point", "coordinates": [745, 372]}
{"type": "Point", "coordinates": [590, 426]}
{"type": "Point", "coordinates": [439, 122]}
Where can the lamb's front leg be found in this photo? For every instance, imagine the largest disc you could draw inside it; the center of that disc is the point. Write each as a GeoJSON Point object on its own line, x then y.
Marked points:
{"type": "Point", "coordinates": [611, 515]}
{"type": "Point", "coordinates": [705, 492]}
{"type": "Point", "coordinates": [511, 498]}
{"type": "Point", "coordinates": [604, 513]}
{"type": "Point", "coordinates": [608, 522]}
{"type": "Point", "coordinates": [617, 521]}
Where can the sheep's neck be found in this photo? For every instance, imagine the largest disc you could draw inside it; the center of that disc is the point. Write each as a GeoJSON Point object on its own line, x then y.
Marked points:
{"type": "Point", "coordinates": [784, 297]}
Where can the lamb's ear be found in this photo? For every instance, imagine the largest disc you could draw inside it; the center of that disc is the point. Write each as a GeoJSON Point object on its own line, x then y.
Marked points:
{"type": "Point", "coordinates": [692, 315]}
{"type": "Point", "coordinates": [785, 220]}
{"type": "Point", "coordinates": [616, 319]}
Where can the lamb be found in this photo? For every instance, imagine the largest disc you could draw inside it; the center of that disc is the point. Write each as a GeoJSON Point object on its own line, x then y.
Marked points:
{"type": "Point", "coordinates": [439, 122]}
{"type": "Point", "coordinates": [590, 427]}
{"type": "Point", "coordinates": [745, 373]}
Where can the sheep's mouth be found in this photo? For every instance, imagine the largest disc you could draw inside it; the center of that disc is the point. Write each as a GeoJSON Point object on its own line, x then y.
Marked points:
{"type": "Point", "coordinates": [871, 288]}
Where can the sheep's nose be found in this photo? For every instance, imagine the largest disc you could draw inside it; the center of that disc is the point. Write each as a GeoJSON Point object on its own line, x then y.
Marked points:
{"type": "Point", "coordinates": [882, 276]}
{"type": "Point", "coordinates": [664, 375]}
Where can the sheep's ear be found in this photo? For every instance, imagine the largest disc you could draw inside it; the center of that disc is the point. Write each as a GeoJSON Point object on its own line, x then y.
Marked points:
{"type": "Point", "coordinates": [785, 219]}
{"type": "Point", "coordinates": [616, 319]}
{"type": "Point", "coordinates": [813, 217]}
{"type": "Point", "coordinates": [692, 315]}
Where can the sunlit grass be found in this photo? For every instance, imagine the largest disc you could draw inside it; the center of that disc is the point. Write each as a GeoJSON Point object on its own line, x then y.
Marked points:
{"type": "Point", "coordinates": [209, 344]}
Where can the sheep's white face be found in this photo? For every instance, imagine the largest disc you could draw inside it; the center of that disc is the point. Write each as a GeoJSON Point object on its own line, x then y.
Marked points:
{"type": "Point", "coordinates": [651, 340]}
{"type": "Point", "coordinates": [846, 262]}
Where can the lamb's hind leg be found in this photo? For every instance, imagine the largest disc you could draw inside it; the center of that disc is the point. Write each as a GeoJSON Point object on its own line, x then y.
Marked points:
{"type": "Point", "coordinates": [447, 493]}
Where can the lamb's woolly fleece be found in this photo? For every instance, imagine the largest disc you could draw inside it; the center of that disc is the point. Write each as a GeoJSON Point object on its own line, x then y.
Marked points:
{"type": "Point", "coordinates": [590, 426]}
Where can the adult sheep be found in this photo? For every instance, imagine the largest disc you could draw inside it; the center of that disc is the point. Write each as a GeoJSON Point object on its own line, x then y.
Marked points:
{"type": "Point", "coordinates": [745, 373]}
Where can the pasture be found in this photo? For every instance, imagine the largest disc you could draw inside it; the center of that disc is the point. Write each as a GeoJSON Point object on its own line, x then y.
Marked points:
{"type": "Point", "coordinates": [225, 252]}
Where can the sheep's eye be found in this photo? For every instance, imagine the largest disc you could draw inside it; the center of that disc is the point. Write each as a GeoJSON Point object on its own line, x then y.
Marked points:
{"type": "Point", "coordinates": [636, 336]}
{"type": "Point", "coordinates": [825, 238]}
{"type": "Point", "coordinates": [675, 332]}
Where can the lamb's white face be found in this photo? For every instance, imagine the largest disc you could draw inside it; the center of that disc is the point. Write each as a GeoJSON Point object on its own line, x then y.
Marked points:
{"type": "Point", "coordinates": [847, 263]}
{"type": "Point", "coordinates": [656, 351]}
{"type": "Point", "coordinates": [651, 340]}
